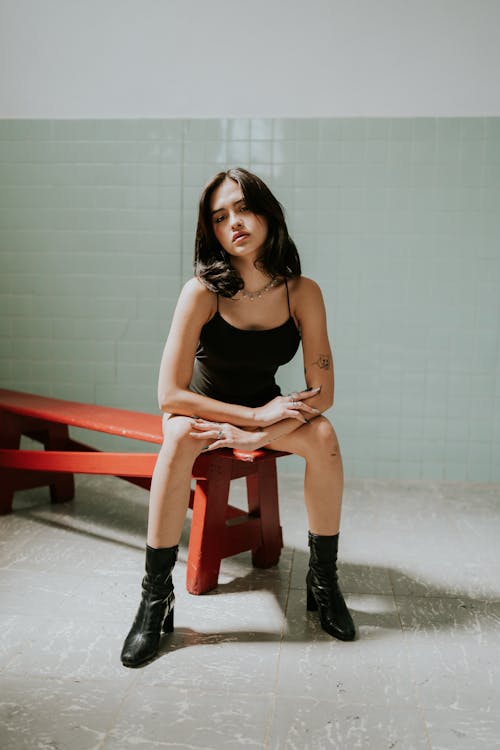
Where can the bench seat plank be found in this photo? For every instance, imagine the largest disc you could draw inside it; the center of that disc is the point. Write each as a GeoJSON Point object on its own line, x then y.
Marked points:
{"type": "Point", "coordinates": [130, 424]}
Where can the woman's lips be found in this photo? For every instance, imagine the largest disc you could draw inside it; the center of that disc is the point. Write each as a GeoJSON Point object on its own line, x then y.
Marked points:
{"type": "Point", "coordinates": [240, 236]}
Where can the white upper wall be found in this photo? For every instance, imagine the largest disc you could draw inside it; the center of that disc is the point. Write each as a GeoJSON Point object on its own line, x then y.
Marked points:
{"type": "Point", "coordinates": [259, 58]}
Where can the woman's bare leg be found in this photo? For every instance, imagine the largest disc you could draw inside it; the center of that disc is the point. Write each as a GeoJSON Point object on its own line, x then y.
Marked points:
{"type": "Point", "coordinates": [168, 502]}
{"type": "Point", "coordinates": [171, 482]}
{"type": "Point", "coordinates": [324, 478]}
{"type": "Point", "coordinates": [323, 485]}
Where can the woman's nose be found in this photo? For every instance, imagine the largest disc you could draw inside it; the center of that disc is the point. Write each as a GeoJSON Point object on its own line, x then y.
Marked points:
{"type": "Point", "coordinates": [235, 220]}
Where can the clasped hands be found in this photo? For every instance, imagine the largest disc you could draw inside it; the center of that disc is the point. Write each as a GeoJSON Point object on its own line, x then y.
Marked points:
{"type": "Point", "coordinates": [226, 435]}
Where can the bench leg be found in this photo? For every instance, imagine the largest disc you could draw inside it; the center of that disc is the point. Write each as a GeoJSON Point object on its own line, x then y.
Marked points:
{"type": "Point", "coordinates": [262, 489]}
{"type": "Point", "coordinates": [62, 488]}
{"type": "Point", "coordinates": [14, 480]}
{"type": "Point", "coordinates": [6, 493]}
{"type": "Point", "coordinates": [10, 437]}
{"type": "Point", "coordinates": [53, 437]}
{"type": "Point", "coordinates": [209, 518]}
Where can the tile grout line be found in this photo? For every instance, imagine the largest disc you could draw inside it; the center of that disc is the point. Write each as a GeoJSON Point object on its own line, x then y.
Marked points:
{"type": "Point", "coordinates": [404, 632]}
{"type": "Point", "coordinates": [272, 712]}
{"type": "Point", "coordinates": [114, 718]}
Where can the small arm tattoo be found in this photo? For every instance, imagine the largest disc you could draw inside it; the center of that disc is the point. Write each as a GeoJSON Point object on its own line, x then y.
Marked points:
{"type": "Point", "coordinates": [323, 362]}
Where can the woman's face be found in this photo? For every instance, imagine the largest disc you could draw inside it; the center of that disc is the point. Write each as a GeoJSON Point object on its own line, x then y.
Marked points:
{"type": "Point", "coordinates": [240, 232]}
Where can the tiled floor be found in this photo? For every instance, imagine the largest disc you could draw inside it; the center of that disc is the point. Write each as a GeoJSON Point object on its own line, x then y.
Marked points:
{"type": "Point", "coordinates": [246, 665]}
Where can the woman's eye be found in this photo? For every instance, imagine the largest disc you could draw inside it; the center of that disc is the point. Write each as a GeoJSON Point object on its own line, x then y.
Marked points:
{"type": "Point", "coordinates": [218, 219]}
{"type": "Point", "coordinates": [243, 208]}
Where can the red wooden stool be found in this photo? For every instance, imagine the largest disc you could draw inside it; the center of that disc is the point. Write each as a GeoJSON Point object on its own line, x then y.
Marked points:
{"type": "Point", "coordinates": [218, 529]}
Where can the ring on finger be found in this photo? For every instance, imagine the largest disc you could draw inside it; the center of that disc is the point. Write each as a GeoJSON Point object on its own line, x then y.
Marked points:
{"type": "Point", "coordinates": [219, 435]}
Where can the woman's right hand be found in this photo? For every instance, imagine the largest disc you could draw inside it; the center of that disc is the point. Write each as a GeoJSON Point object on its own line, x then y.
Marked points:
{"type": "Point", "coordinates": [287, 407]}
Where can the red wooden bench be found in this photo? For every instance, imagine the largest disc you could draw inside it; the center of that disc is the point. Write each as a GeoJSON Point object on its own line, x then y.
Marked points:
{"type": "Point", "coordinates": [218, 529]}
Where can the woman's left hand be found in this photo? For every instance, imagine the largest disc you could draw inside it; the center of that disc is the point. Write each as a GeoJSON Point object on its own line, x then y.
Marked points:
{"type": "Point", "coordinates": [224, 435]}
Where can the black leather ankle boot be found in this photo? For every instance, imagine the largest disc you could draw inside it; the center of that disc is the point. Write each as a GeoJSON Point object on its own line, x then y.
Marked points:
{"type": "Point", "coordinates": [156, 610]}
{"type": "Point", "coordinates": [323, 592]}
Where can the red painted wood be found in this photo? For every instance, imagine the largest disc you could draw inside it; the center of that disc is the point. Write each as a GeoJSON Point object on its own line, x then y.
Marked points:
{"type": "Point", "coordinates": [218, 529]}
{"type": "Point", "coordinates": [62, 488]}
{"type": "Point", "coordinates": [13, 481]}
{"type": "Point", "coordinates": [241, 537]}
{"type": "Point", "coordinates": [131, 424]}
{"type": "Point", "coordinates": [262, 490]}
{"type": "Point", "coordinates": [207, 528]}
{"type": "Point", "coordinates": [125, 464]}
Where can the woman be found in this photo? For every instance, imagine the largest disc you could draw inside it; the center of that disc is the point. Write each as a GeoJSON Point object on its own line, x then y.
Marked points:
{"type": "Point", "coordinates": [237, 320]}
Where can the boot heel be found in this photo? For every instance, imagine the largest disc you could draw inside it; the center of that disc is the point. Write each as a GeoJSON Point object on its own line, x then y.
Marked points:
{"type": "Point", "coordinates": [312, 605]}
{"type": "Point", "coordinates": [168, 622]}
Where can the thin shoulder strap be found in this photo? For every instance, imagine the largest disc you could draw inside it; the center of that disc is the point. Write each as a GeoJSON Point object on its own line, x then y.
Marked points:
{"type": "Point", "coordinates": [217, 303]}
{"type": "Point", "coordinates": [288, 298]}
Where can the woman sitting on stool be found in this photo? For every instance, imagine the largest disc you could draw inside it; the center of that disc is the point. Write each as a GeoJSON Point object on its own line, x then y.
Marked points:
{"type": "Point", "coordinates": [241, 316]}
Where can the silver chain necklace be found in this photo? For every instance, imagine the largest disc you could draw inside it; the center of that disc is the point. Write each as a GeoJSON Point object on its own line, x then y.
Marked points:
{"type": "Point", "coordinates": [258, 294]}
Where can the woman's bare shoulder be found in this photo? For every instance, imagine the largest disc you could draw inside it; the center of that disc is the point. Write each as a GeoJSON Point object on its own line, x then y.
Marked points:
{"type": "Point", "coordinates": [196, 303]}
{"type": "Point", "coordinates": [195, 287]}
{"type": "Point", "coordinates": [304, 288]}
{"type": "Point", "coordinates": [195, 291]}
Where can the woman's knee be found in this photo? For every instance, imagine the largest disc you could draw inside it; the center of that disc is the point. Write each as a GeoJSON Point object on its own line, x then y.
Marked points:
{"type": "Point", "coordinates": [322, 438]}
{"type": "Point", "coordinates": [176, 431]}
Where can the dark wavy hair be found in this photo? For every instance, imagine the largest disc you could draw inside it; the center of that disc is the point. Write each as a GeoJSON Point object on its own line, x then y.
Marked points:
{"type": "Point", "coordinates": [279, 255]}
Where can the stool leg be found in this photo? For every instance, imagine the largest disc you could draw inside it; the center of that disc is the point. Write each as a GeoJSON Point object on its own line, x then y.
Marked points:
{"type": "Point", "coordinates": [208, 524]}
{"type": "Point", "coordinates": [262, 490]}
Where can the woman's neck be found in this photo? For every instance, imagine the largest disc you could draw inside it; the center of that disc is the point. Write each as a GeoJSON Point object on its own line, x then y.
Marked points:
{"type": "Point", "coordinates": [253, 277]}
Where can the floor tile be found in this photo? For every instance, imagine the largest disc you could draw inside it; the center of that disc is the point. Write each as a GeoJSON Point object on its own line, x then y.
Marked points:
{"type": "Point", "coordinates": [39, 713]}
{"type": "Point", "coordinates": [16, 631]}
{"type": "Point", "coordinates": [308, 724]}
{"type": "Point", "coordinates": [222, 640]}
{"type": "Point", "coordinates": [374, 668]}
{"type": "Point", "coordinates": [46, 594]}
{"type": "Point", "coordinates": [59, 550]}
{"type": "Point", "coordinates": [238, 574]}
{"type": "Point", "coordinates": [452, 644]}
{"type": "Point", "coordinates": [186, 718]}
{"type": "Point", "coordinates": [452, 729]}
{"type": "Point", "coordinates": [60, 647]}
{"type": "Point", "coordinates": [449, 578]}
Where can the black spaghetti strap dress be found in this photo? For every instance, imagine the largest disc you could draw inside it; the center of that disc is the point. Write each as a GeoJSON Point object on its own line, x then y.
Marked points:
{"type": "Point", "coordinates": [238, 366]}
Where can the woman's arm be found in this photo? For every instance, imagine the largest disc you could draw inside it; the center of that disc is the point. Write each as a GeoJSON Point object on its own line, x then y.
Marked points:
{"type": "Point", "coordinates": [309, 309]}
{"type": "Point", "coordinates": [195, 307]}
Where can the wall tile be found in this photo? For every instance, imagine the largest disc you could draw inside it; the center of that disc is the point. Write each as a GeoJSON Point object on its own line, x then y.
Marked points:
{"type": "Point", "coordinates": [397, 218]}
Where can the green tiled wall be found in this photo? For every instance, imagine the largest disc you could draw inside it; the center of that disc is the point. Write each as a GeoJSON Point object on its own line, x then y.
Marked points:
{"type": "Point", "coordinates": [398, 219]}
